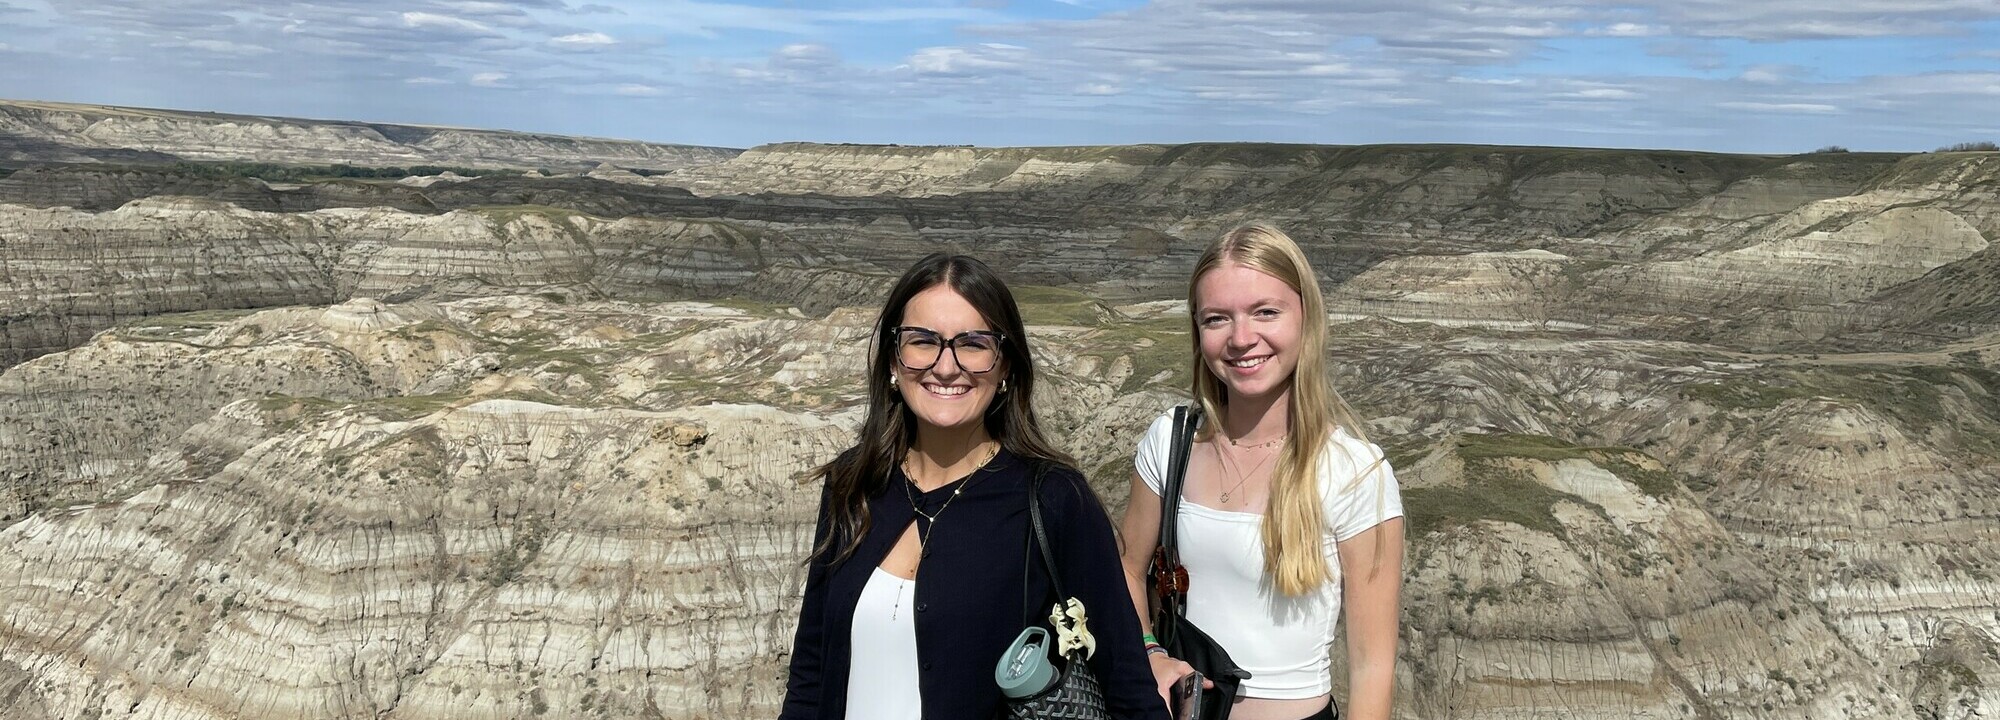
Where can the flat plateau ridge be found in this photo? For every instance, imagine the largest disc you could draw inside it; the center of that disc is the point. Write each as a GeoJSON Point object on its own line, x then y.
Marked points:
{"type": "Point", "coordinates": [68, 132]}
{"type": "Point", "coordinates": [1681, 435]}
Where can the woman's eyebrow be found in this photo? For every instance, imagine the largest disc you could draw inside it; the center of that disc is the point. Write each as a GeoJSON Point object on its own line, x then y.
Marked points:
{"type": "Point", "coordinates": [1260, 302]}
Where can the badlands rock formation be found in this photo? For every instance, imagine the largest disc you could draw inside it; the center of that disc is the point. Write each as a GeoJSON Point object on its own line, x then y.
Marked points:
{"type": "Point", "coordinates": [65, 132]}
{"type": "Point", "coordinates": [517, 506]}
{"type": "Point", "coordinates": [1681, 435]}
{"type": "Point", "coordinates": [71, 273]}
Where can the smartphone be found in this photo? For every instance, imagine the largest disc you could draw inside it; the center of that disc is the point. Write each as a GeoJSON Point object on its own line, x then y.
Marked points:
{"type": "Point", "coordinates": [1187, 697]}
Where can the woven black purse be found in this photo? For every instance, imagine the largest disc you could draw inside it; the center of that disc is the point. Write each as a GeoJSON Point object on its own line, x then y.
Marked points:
{"type": "Point", "coordinates": [1170, 583]}
{"type": "Point", "coordinates": [1075, 694]}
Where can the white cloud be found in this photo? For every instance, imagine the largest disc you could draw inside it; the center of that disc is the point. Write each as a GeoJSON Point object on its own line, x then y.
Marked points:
{"type": "Point", "coordinates": [1600, 94]}
{"type": "Point", "coordinates": [584, 41]}
{"type": "Point", "coordinates": [1799, 108]}
{"type": "Point", "coordinates": [222, 47]}
{"type": "Point", "coordinates": [480, 7]}
{"type": "Point", "coordinates": [637, 90]}
{"type": "Point", "coordinates": [433, 21]}
{"type": "Point", "coordinates": [1098, 89]}
{"type": "Point", "coordinates": [424, 80]}
{"type": "Point", "coordinates": [802, 55]}
{"type": "Point", "coordinates": [1626, 29]}
{"type": "Point", "coordinates": [958, 61]}
{"type": "Point", "coordinates": [1768, 74]}
{"type": "Point", "coordinates": [489, 79]}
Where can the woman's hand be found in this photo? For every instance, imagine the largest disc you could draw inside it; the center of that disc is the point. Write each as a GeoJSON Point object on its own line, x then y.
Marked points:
{"type": "Point", "coordinates": [1167, 670]}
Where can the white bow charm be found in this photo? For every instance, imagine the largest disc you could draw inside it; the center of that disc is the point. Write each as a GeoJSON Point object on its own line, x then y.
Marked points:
{"type": "Point", "coordinates": [1072, 629]}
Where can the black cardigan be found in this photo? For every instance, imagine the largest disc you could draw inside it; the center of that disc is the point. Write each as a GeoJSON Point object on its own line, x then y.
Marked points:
{"type": "Point", "coordinates": [969, 595]}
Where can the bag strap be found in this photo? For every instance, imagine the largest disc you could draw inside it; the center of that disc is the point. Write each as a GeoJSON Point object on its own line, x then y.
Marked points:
{"type": "Point", "coordinates": [1038, 536]}
{"type": "Point", "coordinates": [1042, 533]}
{"type": "Point", "coordinates": [1185, 420]}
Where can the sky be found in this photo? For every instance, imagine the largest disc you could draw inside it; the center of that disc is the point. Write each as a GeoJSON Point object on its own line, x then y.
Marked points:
{"type": "Point", "coordinates": [1767, 76]}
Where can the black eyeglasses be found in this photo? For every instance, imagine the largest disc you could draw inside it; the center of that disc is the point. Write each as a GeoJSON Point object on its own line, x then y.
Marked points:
{"type": "Point", "coordinates": [919, 349]}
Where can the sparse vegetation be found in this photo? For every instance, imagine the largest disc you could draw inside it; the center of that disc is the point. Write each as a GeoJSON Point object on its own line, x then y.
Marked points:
{"type": "Point", "coordinates": [1978, 146]}
{"type": "Point", "coordinates": [1496, 492]}
{"type": "Point", "coordinates": [1154, 352]}
{"type": "Point", "coordinates": [1499, 489]}
{"type": "Point", "coordinates": [1918, 396]}
{"type": "Point", "coordinates": [1043, 305]}
{"type": "Point", "coordinates": [506, 565]}
{"type": "Point", "coordinates": [1954, 675]}
{"type": "Point", "coordinates": [1829, 149]}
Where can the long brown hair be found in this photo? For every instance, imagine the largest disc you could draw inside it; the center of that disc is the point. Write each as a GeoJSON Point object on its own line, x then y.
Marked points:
{"type": "Point", "coordinates": [1294, 518]}
{"type": "Point", "coordinates": [886, 433]}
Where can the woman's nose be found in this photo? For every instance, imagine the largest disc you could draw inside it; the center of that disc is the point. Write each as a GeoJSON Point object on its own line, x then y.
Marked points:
{"type": "Point", "coordinates": [1242, 336]}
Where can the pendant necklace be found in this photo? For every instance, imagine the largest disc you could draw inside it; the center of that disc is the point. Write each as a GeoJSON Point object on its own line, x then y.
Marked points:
{"type": "Point", "coordinates": [931, 519]}
{"type": "Point", "coordinates": [1230, 465]}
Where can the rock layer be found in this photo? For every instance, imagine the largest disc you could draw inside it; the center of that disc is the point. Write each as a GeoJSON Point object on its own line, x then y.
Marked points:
{"type": "Point", "coordinates": [64, 132]}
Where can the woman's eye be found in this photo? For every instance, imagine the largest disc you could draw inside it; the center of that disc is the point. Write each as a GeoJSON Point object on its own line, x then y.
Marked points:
{"type": "Point", "coordinates": [1267, 312]}
{"type": "Point", "coordinates": [1213, 320]}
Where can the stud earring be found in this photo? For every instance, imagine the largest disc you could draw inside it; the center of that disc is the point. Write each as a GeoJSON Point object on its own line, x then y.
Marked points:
{"type": "Point", "coordinates": [1003, 386]}
{"type": "Point", "coordinates": [892, 381]}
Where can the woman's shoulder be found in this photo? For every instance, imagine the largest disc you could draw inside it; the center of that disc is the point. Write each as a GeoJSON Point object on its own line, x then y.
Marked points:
{"type": "Point", "coordinates": [1162, 426]}
{"type": "Point", "coordinates": [1345, 456]}
{"type": "Point", "coordinates": [1160, 432]}
{"type": "Point", "coordinates": [1062, 486]}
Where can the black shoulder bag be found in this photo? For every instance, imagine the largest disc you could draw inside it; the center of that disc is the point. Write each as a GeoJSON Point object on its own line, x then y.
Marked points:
{"type": "Point", "coordinates": [1181, 638]}
{"type": "Point", "coordinates": [1073, 693]}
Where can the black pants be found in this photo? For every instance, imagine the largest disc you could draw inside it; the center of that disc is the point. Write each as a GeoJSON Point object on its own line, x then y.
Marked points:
{"type": "Point", "coordinates": [1330, 712]}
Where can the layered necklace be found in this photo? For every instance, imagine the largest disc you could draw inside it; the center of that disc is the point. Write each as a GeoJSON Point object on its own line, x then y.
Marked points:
{"type": "Point", "coordinates": [930, 518]}
{"type": "Point", "coordinates": [910, 489]}
{"type": "Point", "coordinates": [1229, 465]}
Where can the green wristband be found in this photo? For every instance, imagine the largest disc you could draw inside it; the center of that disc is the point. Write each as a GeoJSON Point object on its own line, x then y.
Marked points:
{"type": "Point", "coordinates": [1150, 640]}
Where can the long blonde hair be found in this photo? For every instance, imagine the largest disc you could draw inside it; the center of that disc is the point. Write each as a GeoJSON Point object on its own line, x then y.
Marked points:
{"type": "Point", "coordinates": [1294, 518]}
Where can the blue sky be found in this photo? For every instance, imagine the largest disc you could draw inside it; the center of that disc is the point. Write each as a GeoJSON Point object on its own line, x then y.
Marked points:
{"type": "Point", "coordinates": [1726, 75]}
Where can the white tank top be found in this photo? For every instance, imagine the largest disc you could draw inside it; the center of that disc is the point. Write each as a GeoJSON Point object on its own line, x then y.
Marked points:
{"type": "Point", "coordinates": [1283, 641]}
{"type": "Point", "coordinates": [882, 674]}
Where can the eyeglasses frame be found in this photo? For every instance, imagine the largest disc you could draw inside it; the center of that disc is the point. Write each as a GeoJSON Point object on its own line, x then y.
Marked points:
{"type": "Point", "coordinates": [951, 344]}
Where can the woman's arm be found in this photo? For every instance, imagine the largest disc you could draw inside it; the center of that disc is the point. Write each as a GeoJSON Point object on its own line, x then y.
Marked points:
{"type": "Point", "coordinates": [1371, 565]}
{"type": "Point", "coordinates": [1139, 536]}
{"type": "Point", "coordinates": [1088, 558]}
{"type": "Point", "coordinates": [802, 688]}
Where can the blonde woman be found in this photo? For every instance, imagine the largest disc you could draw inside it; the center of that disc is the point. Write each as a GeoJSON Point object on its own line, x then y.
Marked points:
{"type": "Point", "coordinates": [1289, 518]}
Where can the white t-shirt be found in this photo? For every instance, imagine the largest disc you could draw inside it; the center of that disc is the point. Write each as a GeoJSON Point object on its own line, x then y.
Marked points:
{"type": "Point", "coordinates": [1283, 641]}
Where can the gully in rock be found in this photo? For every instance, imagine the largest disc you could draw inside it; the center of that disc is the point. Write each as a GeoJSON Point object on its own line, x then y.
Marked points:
{"type": "Point", "coordinates": [918, 581]}
{"type": "Point", "coordinates": [1287, 516]}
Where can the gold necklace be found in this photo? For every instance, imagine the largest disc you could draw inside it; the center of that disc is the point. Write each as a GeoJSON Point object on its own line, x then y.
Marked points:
{"type": "Point", "coordinates": [1241, 478]}
{"type": "Point", "coordinates": [910, 490]}
{"type": "Point", "coordinates": [1271, 443]}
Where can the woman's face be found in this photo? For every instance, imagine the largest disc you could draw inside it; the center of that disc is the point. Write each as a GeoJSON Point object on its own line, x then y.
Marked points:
{"type": "Point", "coordinates": [935, 369]}
{"type": "Point", "coordinates": [1250, 326]}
